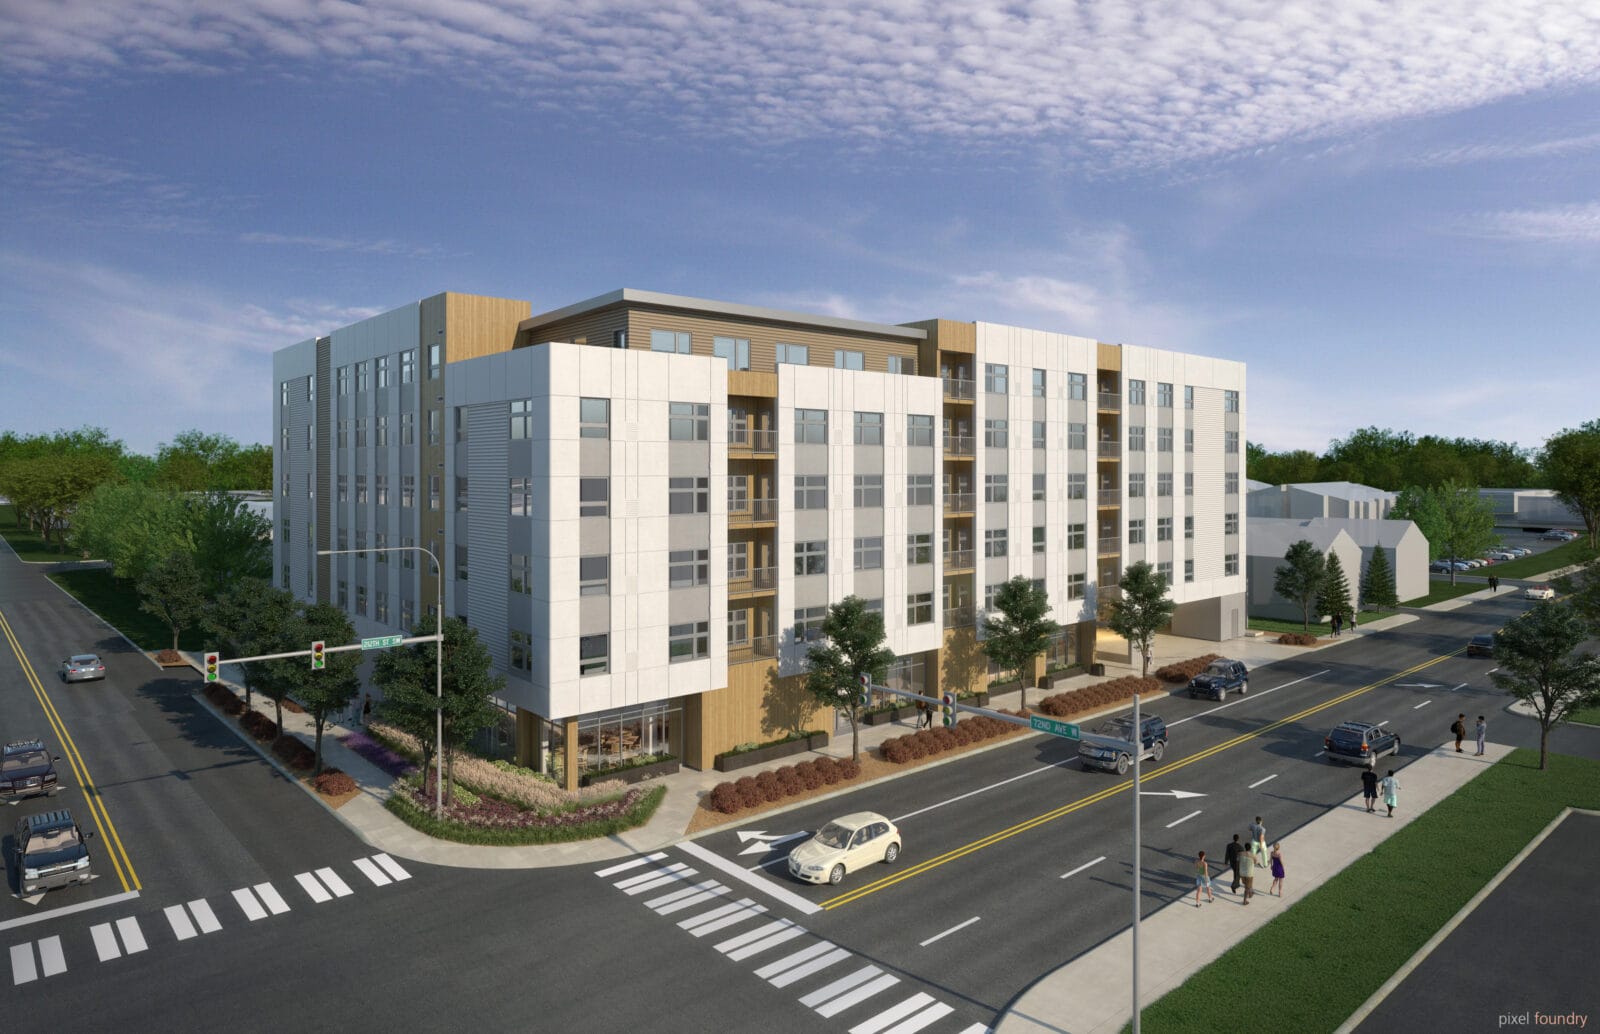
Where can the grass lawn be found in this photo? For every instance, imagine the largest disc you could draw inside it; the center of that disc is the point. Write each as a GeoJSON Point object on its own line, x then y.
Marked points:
{"type": "Point", "coordinates": [1586, 716]}
{"type": "Point", "coordinates": [1439, 591]}
{"type": "Point", "coordinates": [1312, 967]}
{"type": "Point", "coordinates": [1322, 628]}
{"type": "Point", "coordinates": [118, 602]}
{"type": "Point", "coordinates": [1565, 555]}
{"type": "Point", "coordinates": [27, 542]}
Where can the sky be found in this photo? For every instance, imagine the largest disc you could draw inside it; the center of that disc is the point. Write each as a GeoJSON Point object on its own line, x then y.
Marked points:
{"type": "Point", "coordinates": [1390, 211]}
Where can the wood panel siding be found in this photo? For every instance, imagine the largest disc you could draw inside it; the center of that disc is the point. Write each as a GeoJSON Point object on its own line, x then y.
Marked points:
{"type": "Point", "coordinates": [594, 328]}
{"type": "Point", "coordinates": [756, 706]}
{"type": "Point", "coordinates": [477, 325]}
{"type": "Point", "coordinates": [945, 335]}
{"type": "Point", "coordinates": [1110, 357]}
{"type": "Point", "coordinates": [963, 666]}
{"type": "Point", "coordinates": [752, 383]}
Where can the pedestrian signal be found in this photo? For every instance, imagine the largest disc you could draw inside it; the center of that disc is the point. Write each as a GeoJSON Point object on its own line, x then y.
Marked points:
{"type": "Point", "coordinates": [949, 709]}
{"type": "Point", "coordinates": [318, 660]}
{"type": "Point", "coordinates": [213, 661]}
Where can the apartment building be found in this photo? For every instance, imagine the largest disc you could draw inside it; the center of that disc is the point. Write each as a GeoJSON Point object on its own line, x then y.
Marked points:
{"type": "Point", "coordinates": [644, 503]}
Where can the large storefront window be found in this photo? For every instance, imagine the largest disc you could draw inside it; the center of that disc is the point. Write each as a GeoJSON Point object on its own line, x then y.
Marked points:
{"type": "Point", "coordinates": [908, 674]}
{"type": "Point", "coordinates": [630, 736]}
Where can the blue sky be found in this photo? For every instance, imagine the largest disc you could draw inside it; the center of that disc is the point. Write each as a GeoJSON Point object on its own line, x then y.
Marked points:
{"type": "Point", "coordinates": [1391, 212]}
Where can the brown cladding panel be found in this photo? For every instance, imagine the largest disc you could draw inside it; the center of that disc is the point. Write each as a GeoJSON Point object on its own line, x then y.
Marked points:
{"type": "Point", "coordinates": [764, 338]}
{"type": "Point", "coordinates": [590, 328]}
{"type": "Point", "coordinates": [1110, 357]}
{"type": "Point", "coordinates": [476, 325]}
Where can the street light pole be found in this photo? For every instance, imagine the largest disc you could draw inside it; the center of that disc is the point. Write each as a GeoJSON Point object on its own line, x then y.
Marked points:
{"type": "Point", "coordinates": [438, 659]}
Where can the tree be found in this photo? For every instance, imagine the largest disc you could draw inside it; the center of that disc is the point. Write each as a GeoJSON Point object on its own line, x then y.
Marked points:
{"type": "Point", "coordinates": [249, 618]}
{"type": "Point", "coordinates": [46, 489]}
{"type": "Point", "coordinates": [1299, 579]}
{"type": "Point", "coordinates": [407, 676]}
{"type": "Point", "coordinates": [1020, 631]}
{"type": "Point", "coordinates": [321, 693]}
{"type": "Point", "coordinates": [1377, 584]}
{"type": "Point", "coordinates": [1334, 595]}
{"type": "Point", "coordinates": [248, 469]}
{"type": "Point", "coordinates": [1583, 592]}
{"type": "Point", "coordinates": [1454, 518]}
{"type": "Point", "coordinates": [131, 526]}
{"type": "Point", "coordinates": [1142, 609]}
{"type": "Point", "coordinates": [1571, 463]}
{"type": "Point", "coordinates": [851, 646]}
{"type": "Point", "coordinates": [193, 460]}
{"type": "Point", "coordinates": [1536, 664]}
{"type": "Point", "coordinates": [171, 591]}
{"type": "Point", "coordinates": [230, 540]}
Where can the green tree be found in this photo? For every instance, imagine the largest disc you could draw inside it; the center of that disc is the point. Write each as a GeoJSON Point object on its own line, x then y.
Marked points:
{"type": "Point", "coordinates": [1334, 595]}
{"type": "Point", "coordinates": [1020, 631]}
{"type": "Point", "coordinates": [171, 591]}
{"type": "Point", "coordinates": [248, 618]}
{"type": "Point", "coordinates": [1372, 456]}
{"type": "Point", "coordinates": [193, 460]}
{"type": "Point", "coordinates": [46, 489]}
{"type": "Point", "coordinates": [321, 693]}
{"type": "Point", "coordinates": [1299, 579]}
{"type": "Point", "coordinates": [1583, 591]}
{"type": "Point", "coordinates": [1142, 609]}
{"type": "Point", "coordinates": [1571, 463]}
{"type": "Point", "coordinates": [851, 646]}
{"type": "Point", "coordinates": [1536, 663]}
{"type": "Point", "coordinates": [230, 540]}
{"type": "Point", "coordinates": [131, 526]}
{"type": "Point", "coordinates": [248, 469]}
{"type": "Point", "coordinates": [1457, 521]}
{"type": "Point", "coordinates": [1377, 584]}
{"type": "Point", "coordinates": [407, 676]}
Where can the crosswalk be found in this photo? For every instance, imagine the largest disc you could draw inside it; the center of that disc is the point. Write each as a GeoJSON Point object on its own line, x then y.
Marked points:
{"type": "Point", "coordinates": [126, 936]}
{"type": "Point", "coordinates": [746, 931]}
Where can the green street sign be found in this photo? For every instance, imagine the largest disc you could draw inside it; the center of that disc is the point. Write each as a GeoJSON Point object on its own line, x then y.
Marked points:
{"type": "Point", "coordinates": [382, 642]}
{"type": "Point", "coordinates": [1064, 729]}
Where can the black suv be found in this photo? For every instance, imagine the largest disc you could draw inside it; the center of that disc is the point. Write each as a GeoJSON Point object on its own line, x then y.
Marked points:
{"type": "Point", "coordinates": [1112, 758]}
{"type": "Point", "coordinates": [1219, 679]}
{"type": "Point", "coordinates": [1480, 646]}
{"type": "Point", "coordinates": [27, 770]}
{"type": "Point", "coordinates": [51, 852]}
{"type": "Point", "coordinates": [1360, 743]}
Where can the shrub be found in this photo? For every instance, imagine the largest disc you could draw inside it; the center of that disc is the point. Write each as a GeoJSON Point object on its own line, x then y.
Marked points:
{"type": "Point", "coordinates": [849, 768]}
{"type": "Point", "coordinates": [723, 798]}
{"type": "Point", "coordinates": [259, 726]}
{"type": "Point", "coordinates": [789, 781]}
{"type": "Point", "coordinates": [169, 657]}
{"type": "Point", "coordinates": [1297, 639]}
{"type": "Point", "coordinates": [767, 783]}
{"type": "Point", "coordinates": [926, 742]}
{"type": "Point", "coordinates": [295, 754]}
{"type": "Point", "coordinates": [1183, 671]}
{"type": "Point", "coordinates": [828, 769]}
{"type": "Point", "coordinates": [504, 782]}
{"type": "Point", "coordinates": [810, 778]}
{"type": "Point", "coordinates": [498, 823]}
{"type": "Point", "coordinates": [333, 783]}
{"type": "Point", "coordinates": [750, 795]}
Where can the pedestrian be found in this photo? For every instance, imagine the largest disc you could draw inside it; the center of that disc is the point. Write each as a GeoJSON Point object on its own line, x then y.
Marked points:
{"type": "Point", "coordinates": [1369, 789]}
{"type": "Point", "coordinates": [1277, 870]}
{"type": "Point", "coordinates": [1482, 731]}
{"type": "Point", "coordinates": [1391, 791]}
{"type": "Point", "coordinates": [1202, 878]}
{"type": "Point", "coordinates": [1336, 620]}
{"type": "Point", "coordinates": [1459, 728]}
{"type": "Point", "coordinates": [1231, 856]}
{"type": "Point", "coordinates": [1350, 622]}
{"type": "Point", "coordinates": [1257, 831]}
{"type": "Point", "coordinates": [366, 709]}
{"type": "Point", "coordinates": [1247, 873]}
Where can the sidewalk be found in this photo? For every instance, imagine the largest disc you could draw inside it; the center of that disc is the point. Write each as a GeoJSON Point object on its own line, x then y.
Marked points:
{"type": "Point", "coordinates": [1092, 993]}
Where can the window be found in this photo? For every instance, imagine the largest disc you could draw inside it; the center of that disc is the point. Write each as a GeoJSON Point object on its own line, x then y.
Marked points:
{"type": "Point", "coordinates": [811, 557]}
{"type": "Point", "coordinates": [1230, 402]}
{"type": "Point", "coordinates": [1038, 538]}
{"type": "Point", "coordinates": [593, 654]}
{"type": "Point", "coordinates": [738, 561]}
{"type": "Point", "coordinates": [994, 542]}
{"type": "Point", "coordinates": [1230, 524]}
{"type": "Point", "coordinates": [283, 393]}
{"type": "Point", "coordinates": [519, 571]}
{"type": "Point", "coordinates": [736, 350]}
{"type": "Point", "coordinates": [808, 623]}
{"type": "Point", "coordinates": [1188, 439]}
{"type": "Point", "coordinates": [461, 495]}
{"type": "Point", "coordinates": [619, 338]}
{"type": "Point", "coordinates": [1077, 536]}
{"type": "Point", "coordinates": [869, 553]}
{"type": "Point", "coordinates": [1136, 438]}
{"type": "Point", "coordinates": [688, 422]}
{"type": "Point", "coordinates": [869, 490]}
{"type": "Point", "coordinates": [994, 378]}
{"type": "Point", "coordinates": [919, 430]}
{"type": "Point", "coordinates": [382, 365]}
{"type": "Point", "coordinates": [919, 490]}
{"type": "Point", "coordinates": [408, 490]}
{"type": "Point", "coordinates": [461, 563]}
{"type": "Point", "coordinates": [361, 600]}
{"type": "Point", "coordinates": [1163, 439]}
{"type": "Point", "coordinates": [919, 608]}
{"type": "Point", "coordinates": [738, 627]}
{"type": "Point", "coordinates": [435, 359]}
{"type": "Point", "coordinates": [687, 567]}
{"type": "Point", "coordinates": [341, 379]}
{"type": "Point", "coordinates": [408, 366]}
{"type": "Point", "coordinates": [380, 429]}
{"type": "Point", "coordinates": [688, 495]}
{"type": "Point", "coordinates": [919, 548]}
{"type": "Point", "coordinates": [1135, 486]}
{"type": "Point", "coordinates": [1230, 442]}
{"type": "Point", "coordinates": [1038, 434]}
{"type": "Point", "coordinates": [738, 493]}
{"type": "Point", "coordinates": [408, 614]}
{"type": "Point", "coordinates": [995, 435]}
{"type": "Point", "coordinates": [1188, 483]}
{"type": "Point", "coordinates": [902, 364]}
{"type": "Point", "coordinates": [361, 488]}
{"type": "Point", "coordinates": [1188, 527]}
{"type": "Point", "coordinates": [381, 489]}
{"type": "Point", "coordinates": [1188, 403]}
{"type": "Point", "coordinates": [811, 426]}
{"type": "Point", "coordinates": [594, 418]}
{"type": "Point", "coordinates": [995, 487]}
{"type": "Point", "coordinates": [670, 341]}
{"type": "Point", "coordinates": [408, 558]}
{"type": "Point", "coordinates": [1075, 586]}
{"type": "Point", "coordinates": [1038, 384]}
{"type": "Point", "coordinates": [408, 428]}
{"type": "Point", "coordinates": [1188, 570]}
{"type": "Point", "coordinates": [361, 432]}
{"type": "Point", "coordinates": [1164, 394]}
{"type": "Point", "coordinates": [1077, 436]}
{"type": "Point", "coordinates": [363, 376]}
{"type": "Point", "coordinates": [311, 388]}
{"type": "Point", "coordinates": [521, 650]}
{"type": "Point", "coordinates": [361, 545]}
{"type": "Point", "coordinates": [793, 355]}
{"type": "Point", "coordinates": [1163, 529]}
{"type": "Point", "coordinates": [1136, 531]}
{"type": "Point", "coordinates": [1163, 484]}
{"type": "Point", "coordinates": [811, 492]}
{"type": "Point", "coordinates": [1038, 488]}
{"type": "Point", "coordinates": [283, 486]}
{"type": "Point", "coordinates": [380, 611]}
{"type": "Point", "coordinates": [283, 436]}
{"type": "Point", "coordinates": [869, 428]}
{"type": "Point", "coordinates": [521, 497]}
{"type": "Point", "coordinates": [738, 426]}
{"type": "Point", "coordinates": [342, 487]}
{"type": "Point", "coordinates": [285, 576]}
{"type": "Point", "coordinates": [285, 534]}
{"type": "Point", "coordinates": [1230, 483]}
{"type": "Point", "coordinates": [343, 434]}
{"type": "Point", "coordinates": [1077, 386]}
{"type": "Point", "coordinates": [1077, 486]}
{"type": "Point", "coordinates": [1135, 392]}
{"type": "Point", "coordinates": [873, 606]}
{"type": "Point", "coordinates": [433, 428]}
{"type": "Point", "coordinates": [1230, 563]}
{"type": "Point", "coordinates": [521, 419]}
{"type": "Point", "coordinates": [845, 359]}
{"type": "Point", "coordinates": [594, 495]}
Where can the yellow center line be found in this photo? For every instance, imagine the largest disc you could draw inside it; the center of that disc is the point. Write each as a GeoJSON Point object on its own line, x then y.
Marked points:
{"type": "Point", "coordinates": [97, 808]}
{"type": "Point", "coordinates": [1100, 795]}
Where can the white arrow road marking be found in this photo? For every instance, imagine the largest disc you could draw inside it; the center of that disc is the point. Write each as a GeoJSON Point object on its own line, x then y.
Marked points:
{"type": "Point", "coordinates": [1082, 867]}
{"type": "Point", "coordinates": [1186, 818]}
{"type": "Point", "coordinates": [765, 843]}
{"type": "Point", "coordinates": [1176, 794]}
{"type": "Point", "coordinates": [947, 933]}
{"type": "Point", "coordinates": [1420, 706]}
{"type": "Point", "coordinates": [1258, 782]}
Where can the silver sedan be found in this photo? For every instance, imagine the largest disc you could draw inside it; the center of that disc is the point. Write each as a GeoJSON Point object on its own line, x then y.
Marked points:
{"type": "Point", "coordinates": [82, 667]}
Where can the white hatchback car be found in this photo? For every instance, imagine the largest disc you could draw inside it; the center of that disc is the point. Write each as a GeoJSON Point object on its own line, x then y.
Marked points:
{"type": "Point", "coordinates": [845, 845]}
{"type": "Point", "coordinates": [1539, 592]}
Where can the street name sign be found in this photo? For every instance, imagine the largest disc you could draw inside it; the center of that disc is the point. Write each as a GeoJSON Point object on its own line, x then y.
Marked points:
{"type": "Point", "coordinates": [1064, 729]}
{"type": "Point", "coordinates": [382, 641]}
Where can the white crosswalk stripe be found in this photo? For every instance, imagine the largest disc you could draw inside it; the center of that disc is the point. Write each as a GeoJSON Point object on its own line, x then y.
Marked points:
{"type": "Point", "coordinates": [859, 995]}
{"type": "Point", "coordinates": [772, 969]}
{"type": "Point", "coordinates": [247, 901]}
{"type": "Point", "coordinates": [762, 945]}
{"type": "Point", "coordinates": [840, 986]}
{"type": "Point", "coordinates": [754, 935]}
{"type": "Point", "coordinates": [814, 966]}
{"type": "Point", "coordinates": [728, 920]}
{"type": "Point", "coordinates": [105, 942]}
{"type": "Point", "coordinates": [978, 1028]}
{"type": "Point", "coordinates": [933, 1013]}
{"type": "Point", "coordinates": [51, 958]}
{"type": "Point", "coordinates": [339, 887]}
{"type": "Point", "coordinates": [893, 1014]}
{"type": "Point", "coordinates": [378, 877]}
{"type": "Point", "coordinates": [271, 898]}
{"type": "Point", "coordinates": [391, 867]}
{"type": "Point", "coordinates": [713, 889]}
{"type": "Point", "coordinates": [696, 921]}
{"type": "Point", "coordinates": [203, 916]}
{"type": "Point", "coordinates": [632, 863]}
{"type": "Point", "coordinates": [23, 970]}
{"type": "Point", "coordinates": [310, 885]}
{"type": "Point", "coordinates": [179, 920]}
{"type": "Point", "coordinates": [132, 936]}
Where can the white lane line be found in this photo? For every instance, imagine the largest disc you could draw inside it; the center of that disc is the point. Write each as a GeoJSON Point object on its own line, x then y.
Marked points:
{"type": "Point", "coordinates": [132, 936]}
{"type": "Point", "coordinates": [203, 916]}
{"type": "Point", "coordinates": [859, 995]}
{"type": "Point", "coordinates": [1186, 818]}
{"type": "Point", "coordinates": [729, 920]}
{"type": "Point", "coordinates": [893, 1014]}
{"type": "Point", "coordinates": [753, 935]}
{"type": "Point", "coordinates": [1319, 753]}
{"type": "Point", "coordinates": [378, 877]}
{"type": "Point", "coordinates": [634, 864]}
{"type": "Point", "coordinates": [392, 867]}
{"type": "Point", "coordinates": [713, 890]}
{"type": "Point", "coordinates": [1249, 697]}
{"type": "Point", "coordinates": [178, 919]}
{"type": "Point", "coordinates": [838, 987]}
{"type": "Point", "coordinates": [309, 883]}
{"type": "Point", "coordinates": [56, 913]}
{"type": "Point", "coordinates": [340, 888]}
{"type": "Point", "coordinates": [1491, 671]}
{"type": "Point", "coordinates": [1258, 782]}
{"type": "Point", "coordinates": [814, 966]}
{"type": "Point", "coordinates": [936, 1011]}
{"type": "Point", "coordinates": [105, 942]}
{"type": "Point", "coordinates": [766, 942]}
{"type": "Point", "coordinates": [51, 960]}
{"type": "Point", "coordinates": [953, 929]}
{"type": "Point", "coordinates": [247, 901]}
{"type": "Point", "coordinates": [653, 874]}
{"type": "Point", "coordinates": [1420, 706]}
{"type": "Point", "coordinates": [1082, 867]}
{"type": "Point", "coordinates": [793, 959]}
{"type": "Point", "coordinates": [767, 887]}
{"type": "Point", "coordinates": [272, 899]}
{"type": "Point", "coordinates": [22, 969]}
{"type": "Point", "coordinates": [717, 913]}
{"type": "Point", "coordinates": [1454, 688]}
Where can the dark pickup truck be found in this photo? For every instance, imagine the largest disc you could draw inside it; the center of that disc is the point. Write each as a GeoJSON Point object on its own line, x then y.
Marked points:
{"type": "Point", "coordinates": [1219, 679]}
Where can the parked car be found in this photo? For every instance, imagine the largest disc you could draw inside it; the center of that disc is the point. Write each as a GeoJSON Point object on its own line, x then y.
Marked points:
{"type": "Point", "coordinates": [27, 770]}
{"type": "Point", "coordinates": [51, 852]}
{"type": "Point", "coordinates": [1360, 743]}
{"type": "Point", "coordinates": [1559, 535]}
{"type": "Point", "coordinates": [1519, 550]}
{"type": "Point", "coordinates": [1441, 567]}
{"type": "Point", "coordinates": [1539, 592]}
{"type": "Point", "coordinates": [1480, 646]}
{"type": "Point", "coordinates": [1500, 554]}
{"type": "Point", "coordinates": [1219, 679]}
{"type": "Point", "coordinates": [1114, 758]}
{"type": "Point", "coordinates": [82, 667]}
{"type": "Point", "coordinates": [845, 845]}
{"type": "Point", "coordinates": [1461, 565]}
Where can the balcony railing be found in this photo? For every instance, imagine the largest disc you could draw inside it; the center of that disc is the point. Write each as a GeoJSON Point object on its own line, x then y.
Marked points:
{"type": "Point", "coordinates": [760, 646]}
{"type": "Point", "coordinates": [1109, 546]}
{"type": "Point", "coordinates": [959, 444]}
{"type": "Point", "coordinates": [1110, 497]}
{"type": "Point", "coordinates": [753, 440]}
{"type": "Point", "coordinates": [1110, 450]}
{"type": "Point", "coordinates": [759, 579]}
{"type": "Point", "coordinates": [1110, 400]}
{"type": "Point", "coordinates": [753, 511]}
{"type": "Point", "coordinates": [959, 559]}
{"type": "Point", "coordinates": [959, 617]}
{"type": "Point", "coordinates": [959, 502]}
{"type": "Point", "coordinates": [960, 388]}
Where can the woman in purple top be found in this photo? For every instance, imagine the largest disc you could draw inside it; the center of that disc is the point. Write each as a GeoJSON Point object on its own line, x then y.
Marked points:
{"type": "Point", "coordinates": [1277, 869]}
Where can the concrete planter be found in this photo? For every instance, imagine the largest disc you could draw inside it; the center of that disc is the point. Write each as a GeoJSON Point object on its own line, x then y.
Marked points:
{"type": "Point", "coordinates": [765, 755]}
{"type": "Point", "coordinates": [636, 774]}
{"type": "Point", "coordinates": [891, 715]}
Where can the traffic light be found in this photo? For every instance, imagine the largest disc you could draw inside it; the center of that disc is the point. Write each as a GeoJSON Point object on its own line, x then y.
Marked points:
{"type": "Point", "coordinates": [949, 709]}
{"type": "Point", "coordinates": [866, 689]}
{"type": "Point", "coordinates": [318, 660]}
{"type": "Point", "coordinates": [213, 661]}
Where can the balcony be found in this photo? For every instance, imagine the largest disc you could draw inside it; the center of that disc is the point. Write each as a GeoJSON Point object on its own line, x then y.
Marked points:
{"type": "Point", "coordinates": [1111, 497]}
{"type": "Point", "coordinates": [1111, 400]}
{"type": "Point", "coordinates": [756, 580]}
{"type": "Point", "coordinates": [1110, 450]}
{"type": "Point", "coordinates": [759, 648]}
{"type": "Point", "coordinates": [1110, 546]}
{"type": "Point", "coordinates": [960, 389]}
{"type": "Point", "coordinates": [961, 445]}
{"type": "Point", "coordinates": [959, 617]}
{"type": "Point", "coordinates": [959, 560]}
{"type": "Point", "coordinates": [752, 440]}
{"type": "Point", "coordinates": [959, 502]}
{"type": "Point", "coordinates": [752, 511]}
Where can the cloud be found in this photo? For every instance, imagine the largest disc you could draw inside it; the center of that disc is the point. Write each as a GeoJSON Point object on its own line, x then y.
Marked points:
{"type": "Point", "coordinates": [1115, 83]}
{"type": "Point", "coordinates": [1559, 224]}
{"type": "Point", "coordinates": [383, 247]}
